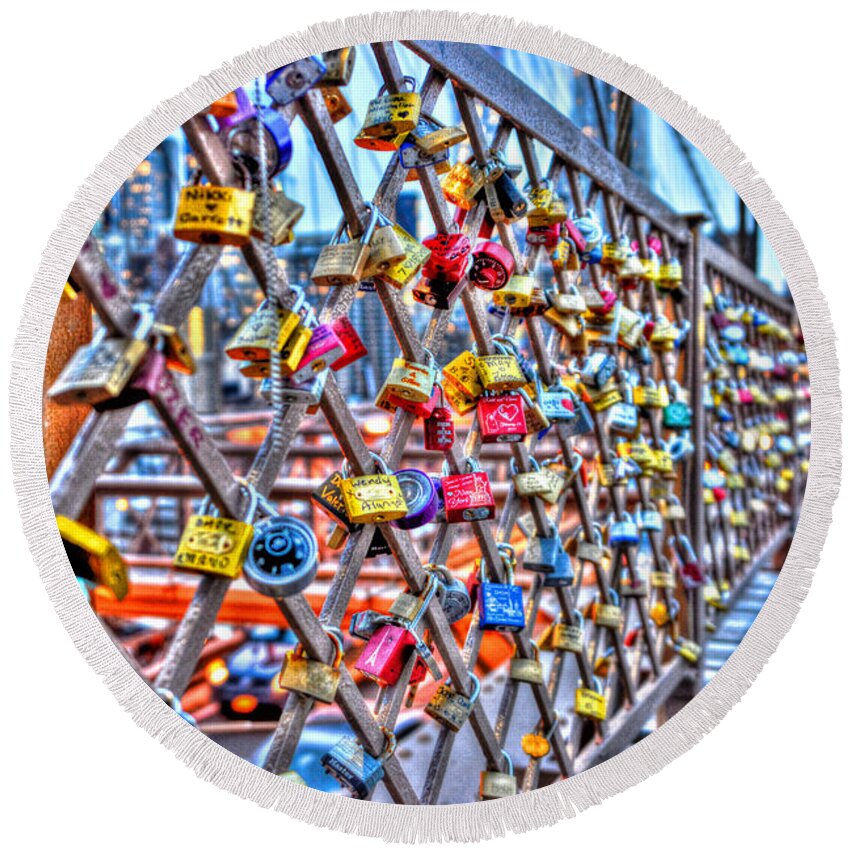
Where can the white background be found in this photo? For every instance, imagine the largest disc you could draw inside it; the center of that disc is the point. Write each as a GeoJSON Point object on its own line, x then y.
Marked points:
{"type": "Point", "coordinates": [76, 77]}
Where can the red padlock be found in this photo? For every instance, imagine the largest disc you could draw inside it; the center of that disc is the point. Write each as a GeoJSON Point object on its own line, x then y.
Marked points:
{"type": "Point", "coordinates": [420, 409]}
{"type": "Point", "coordinates": [449, 257]}
{"type": "Point", "coordinates": [719, 493]}
{"type": "Point", "coordinates": [468, 497]}
{"type": "Point", "coordinates": [439, 430]}
{"type": "Point", "coordinates": [348, 336]}
{"type": "Point", "coordinates": [492, 266]}
{"type": "Point", "coordinates": [502, 419]}
{"type": "Point", "coordinates": [547, 236]}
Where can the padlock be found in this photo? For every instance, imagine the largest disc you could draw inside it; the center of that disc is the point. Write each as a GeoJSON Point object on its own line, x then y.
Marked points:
{"type": "Point", "coordinates": [420, 495]}
{"type": "Point", "coordinates": [492, 266]}
{"type": "Point", "coordinates": [598, 370]}
{"type": "Point", "coordinates": [468, 496]}
{"type": "Point", "coordinates": [413, 155]}
{"type": "Point", "coordinates": [343, 263]}
{"type": "Point", "coordinates": [495, 784]}
{"type": "Point", "coordinates": [648, 394]}
{"type": "Point", "coordinates": [101, 370]}
{"type": "Point", "coordinates": [500, 606]}
{"type": "Point", "coordinates": [291, 82]}
{"type": "Point", "coordinates": [501, 371]}
{"type": "Point", "coordinates": [214, 215]}
{"type": "Point", "coordinates": [354, 768]}
{"type": "Point", "coordinates": [614, 254]}
{"type": "Point", "coordinates": [435, 293]}
{"type": "Point", "coordinates": [450, 708]}
{"type": "Point", "coordinates": [386, 652]}
{"type": "Point", "coordinates": [501, 418]}
{"type": "Point", "coordinates": [690, 569]}
{"type": "Point", "coordinates": [591, 703]}
{"type": "Point", "coordinates": [323, 350]}
{"type": "Point", "coordinates": [438, 137]}
{"type": "Point", "coordinates": [458, 401]}
{"type": "Point", "coordinates": [608, 615]}
{"type": "Point", "coordinates": [313, 679]}
{"type": "Point", "coordinates": [339, 66]}
{"type": "Point", "coordinates": [282, 558]}
{"type": "Point", "coordinates": [93, 557]}
{"type": "Point", "coordinates": [463, 374]}
{"type": "Point", "coordinates": [542, 553]}
{"type": "Point", "coordinates": [402, 271]}
{"type": "Point", "coordinates": [670, 275]}
{"type": "Point", "coordinates": [353, 347]}
{"type": "Point", "coordinates": [557, 403]}
{"type": "Point", "coordinates": [284, 214]}
{"type": "Point", "coordinates": [439, 428]}
{"type": "Point", "coordinates": [688, 649]}
{"type": "Point", "coordinates": [452, 592]}
{"type": "Point", "coordinates": [385, 248]}
{"type": "Point", "coordinates": [449, 260]}
{"type": "Point", "coordinates": [535, 482]}
{"type": "Point", "coordinates": [244, 143]}
{"type": "Point", "coordinates": [569, 637]}
{"type": "Point", "coordinates": [677, 415]}
{"type": "Point", "coordinates": [462, 183]}
{"type": "Point", "coordinates": [143, 385]}
{"type": "Point", "coordinates": [391, 115]}
{"type": "Point", "coordinates": [623, 416]}
{"type": "Point", "coordinates": [336, 103]}
{"type": "Point", "coordinates": [505, 202]}
{"type": "Point", "coordinates": [516, 294]}
{"type": "Point", "coordinates": [213, 544]}
{"type": "Point", "coordinates": [327, 497]}
{"type": "Point", "coordinates": [261, 333]}
{"type": "Point", "coordinates": [648, 518]}
{"type": "Point", "coordinates": [412, 381]}
{"type": "Point", "coordinates": [373, 498]}
{"type": "Point", "coordinates": [528, 670]}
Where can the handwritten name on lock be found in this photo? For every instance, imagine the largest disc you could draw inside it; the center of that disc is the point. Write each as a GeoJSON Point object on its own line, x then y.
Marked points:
{"type": "Point", "coordinates": [215, 210]}
{"type": "Point", "coordinates": [210, 542]}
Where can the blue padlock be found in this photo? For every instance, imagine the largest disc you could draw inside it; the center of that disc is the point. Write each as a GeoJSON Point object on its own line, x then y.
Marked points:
{"type": "Point", "coordinates": [623, 531]}
{"type": "Point", "coordinates": [290, 82]}
{"type": "Point", "coordinates": [242, 141]}
{"type": "Point", "coordinates": [283, 557]}
{"type": "Point", "coordinates": [500, 606]}
{"type": "Point", "coordinates": [349, 763]}
{"type": "Point", "coordinates": [563, 574]}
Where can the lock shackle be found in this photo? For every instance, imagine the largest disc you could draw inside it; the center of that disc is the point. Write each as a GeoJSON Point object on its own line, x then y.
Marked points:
{"type": "Point", "coordinates": [579, 616]}
{"type": "Point", "coordinates": [532, 462]}
{"type": "Point", "coordinates": [390, 745]}
{"type": "Point", "coordinates": [509, 762]}
{"type": "Point", "coordinates": [431, 586]}
{"type": "Point", "coordinates": [614, 597]}
{"type": "Point", "coordinates": [336, 636]}
{"type": "Point", "coordinates": [476, 687]}
{"type": "Point", "coordinates": [254, 500]}
{"type": "Point", "coordinates": [207, 508]}
{"type": "Point", "coordinates": [508, 555]}
{"type": "Point", "coordinates": [405, 81]}
{"type": "Point", "coordinates": [535, 651]}
{"type": "Point", "coordinates": [540, 183]}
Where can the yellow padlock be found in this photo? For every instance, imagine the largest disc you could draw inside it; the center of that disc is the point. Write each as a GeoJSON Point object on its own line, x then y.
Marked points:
{"type": "Point", "coordinates": [590, 704]}
{"type": "Point", "coordinates": [499, 372]}
{"type": "Point", "coordinates": [214, 215]}
{"type": "Point", "coordinates": [517, 294]}
{"type": "Point", "coordinates": [373, 498]}
{"type": "Point", "coordinates": [103, 559]}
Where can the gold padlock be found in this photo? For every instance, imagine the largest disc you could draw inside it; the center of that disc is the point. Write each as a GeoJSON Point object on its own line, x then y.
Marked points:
{"type": "Point", "coordinates": [527, 669]}
{"type": "Point", "coordinates": [101, 370]}
{"type": "Point", "coordinates": [312, 678]}
{"type": "Point", "coordinates": [438, 139]}
{"type": "Point", "coordinates": [178, 355]}
{"type": "Point", "coordinates": [462, 183]}
{"type": "Point", "coordinates": [390, 115]}
{"type": "Point", "coordinates": [568, 637]}
{"type": "Point", "coordinates": [284, 214]}
{"type": "Point", "coordinates": [214, 215]}
{"type": "Point", "coordinates": [102, 558]}
{"type": "Point", "coordinates": [516, 294]}
{"type": "Point", "coordinates": [494, 784]}
{"type": "Point", "coordinates": [451, 709]}
{"type": "Point", "coordinates": [261, 333]}
{"type": "Point", "coordinates": [343, 263]}
{"type": "Point", "coordinates": [412, 381]}
{"type": "Point", "coordinates": [385, 248]}
{"type": "Point", "coordinates": [373, 498]}
{"type": "Point", "coordinates": [402, 271]}
{"type": "Point", "coordinates": [463, 374]}
{"type": "Point", "coordinates": [499, 372]}
{"type": "Point", "coordinates": [214, 544]}
{"type": "Point", "coordinates": [459, 401]}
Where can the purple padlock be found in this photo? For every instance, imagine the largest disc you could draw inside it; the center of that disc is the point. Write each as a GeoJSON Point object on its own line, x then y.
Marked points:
{"type": "Point", "coordinates": [421, 497]}
{"type": "Point", "coordinates": [245, 110]}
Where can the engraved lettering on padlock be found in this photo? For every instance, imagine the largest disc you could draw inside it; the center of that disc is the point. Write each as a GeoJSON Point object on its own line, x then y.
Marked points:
{"type": "Point", "coordinates": [214, 215]}
{"type": "Point", "coordinates": [450, 708]}
{"type": "Point", "coordinates": [343, 263]}
{"type": "Point", "coordinates": [312, 678]}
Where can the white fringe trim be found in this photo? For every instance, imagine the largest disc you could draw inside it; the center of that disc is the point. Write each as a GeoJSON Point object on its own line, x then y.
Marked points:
{"type": "Point", "coordinates": [466, 822]}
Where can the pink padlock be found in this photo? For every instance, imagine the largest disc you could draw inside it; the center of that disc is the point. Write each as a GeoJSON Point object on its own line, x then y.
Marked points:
{"type": "Point", "coordinates": [385, 654]}
{"type": "Point", "coordinates": [323, 350]}
{"type": "Point", "coordinates": [492, 266]}
{"type": "Point", "coordinates": [575, 236]}
{"type": "Point", "coordinates": [745, 395]}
